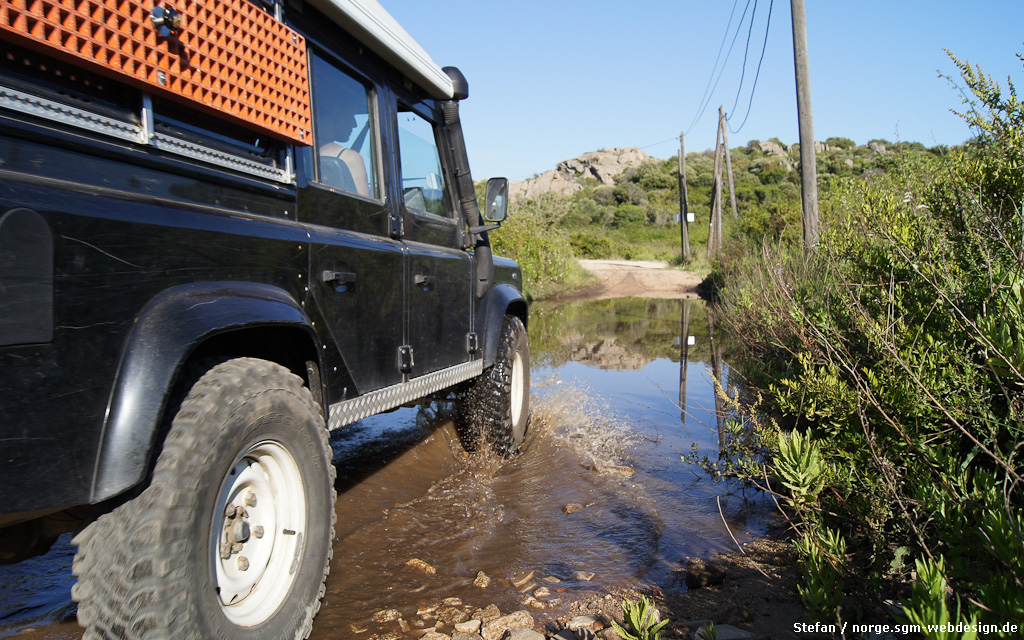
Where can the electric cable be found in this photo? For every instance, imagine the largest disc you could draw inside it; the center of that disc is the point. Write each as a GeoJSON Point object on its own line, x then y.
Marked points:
{"type": "Point", "coordinates": [654, 144]}
{"type": "Point", "coordinates": [721, 46]}
{"type": "Point", "coordinates": [764, 47]}
{"type": "Point", "coordinates": [709, 91]}
{"type": "Point", "coordinates": [746, 50]}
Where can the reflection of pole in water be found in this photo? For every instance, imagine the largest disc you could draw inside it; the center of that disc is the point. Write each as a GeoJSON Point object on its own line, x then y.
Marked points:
{"type": "Point", "coordinates": [684, 352]}
{"type": "Point", "coordinates": [716, 370]}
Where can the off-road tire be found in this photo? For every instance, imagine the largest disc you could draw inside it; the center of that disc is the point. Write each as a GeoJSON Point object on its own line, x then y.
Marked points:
{"type": "Point", "coordinates": [154, 567]}
{"type": "Point", "coordinates": [495, 409]}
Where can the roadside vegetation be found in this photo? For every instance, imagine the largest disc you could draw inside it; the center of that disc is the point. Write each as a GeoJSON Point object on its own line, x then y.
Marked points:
{"type": "Point", "coordinates": [633, 219]}
{"type": "Point", "coordinates": [886, 400]}
{"type": "Point", "coordinates": [889, 418]}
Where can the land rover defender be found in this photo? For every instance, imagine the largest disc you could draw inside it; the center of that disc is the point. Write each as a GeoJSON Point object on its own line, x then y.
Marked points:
{"type": "Point", "coordinates": [226, 228]}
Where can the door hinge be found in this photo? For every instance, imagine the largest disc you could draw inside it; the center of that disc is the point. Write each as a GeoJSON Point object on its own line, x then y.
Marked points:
{"type": "Point", "coordinates": [472, 343]}
{"type": "Point", "coordinates": [405, 359]}
{"type": "Point", "coordinates": [397, 225]}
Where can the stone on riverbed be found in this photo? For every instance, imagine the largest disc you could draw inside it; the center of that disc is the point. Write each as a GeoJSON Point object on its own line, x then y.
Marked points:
{"type": "Point", "coordinates": [452, 615]}
{"type": "Point", "coordinates": [494, 629]}
{"type": "Point", "coordinates": [387, 615]}
{"type": "Point", "coordinates": [416, 563]}
{"type": "Point", "coordinates": [522, 634]}
{"type": "Point", "coordinates": [585, 622]}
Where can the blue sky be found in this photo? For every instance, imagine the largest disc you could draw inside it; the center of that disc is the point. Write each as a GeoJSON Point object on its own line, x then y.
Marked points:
{"type": "Point", "coordinates": [550, 80]}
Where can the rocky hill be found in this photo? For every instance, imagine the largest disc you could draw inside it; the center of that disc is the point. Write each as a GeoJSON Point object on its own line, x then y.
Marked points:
{"type": "Point", "coordinates": [602, 165]}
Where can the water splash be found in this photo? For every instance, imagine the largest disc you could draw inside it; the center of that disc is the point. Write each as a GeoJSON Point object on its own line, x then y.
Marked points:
{"type": "Point", "coordinates": [573, 416]}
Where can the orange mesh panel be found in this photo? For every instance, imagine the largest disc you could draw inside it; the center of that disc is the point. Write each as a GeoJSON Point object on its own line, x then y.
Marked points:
{"type": "Point", "coordinates": [228, 55]}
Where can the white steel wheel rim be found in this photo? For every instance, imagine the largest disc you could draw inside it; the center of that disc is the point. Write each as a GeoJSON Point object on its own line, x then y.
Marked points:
{"type": "Point", "coordinates": [516, 392]}
{"type": "Point", "coordinates": [254, 575]}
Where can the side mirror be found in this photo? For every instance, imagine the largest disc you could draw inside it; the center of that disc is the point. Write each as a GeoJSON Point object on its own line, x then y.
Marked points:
{"type": "Point", "coordinates": [414, 198]}
{"type": "Point", "coordinates": [496, 200]}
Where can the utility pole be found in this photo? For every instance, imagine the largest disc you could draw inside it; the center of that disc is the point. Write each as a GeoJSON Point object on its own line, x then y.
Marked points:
{"type": "Point", "coordinates": [684, 357]}
{"type": "Point", "coordinates": [715, 229]}
{"type": "Point", "coordinates": [728, 162]}
{"type": "Point", "coordinates": [684, 203]}
{"type": "Point", "coordinates": [808, 162]}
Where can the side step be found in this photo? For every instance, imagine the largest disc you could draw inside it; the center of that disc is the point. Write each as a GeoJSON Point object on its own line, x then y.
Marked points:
{"type": "Point", "coordinates": [374, 402]}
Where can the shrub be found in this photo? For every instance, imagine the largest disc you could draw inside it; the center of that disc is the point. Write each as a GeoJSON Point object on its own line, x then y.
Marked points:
{"type": "Point", "coordinates": [896, 348]}
{"type": "Point", "coordinates": [629, 193]}
{"type": "Point", "coordinates": [530, 237]}
{"type": "Point", "coordinates": [628, 214]}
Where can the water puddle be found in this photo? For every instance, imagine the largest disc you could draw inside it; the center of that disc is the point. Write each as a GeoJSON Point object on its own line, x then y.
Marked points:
{"type": "Point", "coordinates": [599, 500]}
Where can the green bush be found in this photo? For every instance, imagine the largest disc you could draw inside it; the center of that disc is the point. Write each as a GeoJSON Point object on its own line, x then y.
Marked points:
{"type": "Point", "coordinates": [588, 245]}
{"type": "Point", "coordinates": [530, 237]}
{"type": "Point", "coordinates": [629, 214]}
{"type": "Point", "coordinates": [896, 348]}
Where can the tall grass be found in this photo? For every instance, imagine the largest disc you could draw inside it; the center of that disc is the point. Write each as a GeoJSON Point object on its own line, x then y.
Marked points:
{"type": "Point", "coordinates": [892, 361]}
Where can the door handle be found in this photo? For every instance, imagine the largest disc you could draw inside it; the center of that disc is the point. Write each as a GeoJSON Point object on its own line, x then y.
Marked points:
{"type": "Point", "coordinates": [341, 280]}
{"type": "Point", "coordinates": [426, 282]}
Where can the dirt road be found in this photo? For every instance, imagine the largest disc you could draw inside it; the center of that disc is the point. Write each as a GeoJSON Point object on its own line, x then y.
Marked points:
{"type": "Point", "coordinates": [623, 278]}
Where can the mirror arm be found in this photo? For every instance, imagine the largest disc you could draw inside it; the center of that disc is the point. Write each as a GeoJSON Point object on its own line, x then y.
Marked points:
{"type": "Point", "coordinates": [483, 228]}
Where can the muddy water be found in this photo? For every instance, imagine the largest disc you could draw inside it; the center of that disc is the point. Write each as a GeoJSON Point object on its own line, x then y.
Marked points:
{"type": "Point", "coordinates": [619, 394]}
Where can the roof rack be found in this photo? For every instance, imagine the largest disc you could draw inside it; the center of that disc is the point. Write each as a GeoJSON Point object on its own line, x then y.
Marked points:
{"type": "Point", "coordinates": [372, 25]}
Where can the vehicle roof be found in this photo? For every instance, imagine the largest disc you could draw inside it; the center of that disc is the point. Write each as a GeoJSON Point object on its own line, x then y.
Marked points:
{"type": "Point", "coordinates": [373, 26]}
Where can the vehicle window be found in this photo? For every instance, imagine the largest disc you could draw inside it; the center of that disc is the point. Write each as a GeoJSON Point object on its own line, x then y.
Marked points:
{"type": "Point", "coordinates": [423, 185]}
{"type": "Point", "coordinates": [343, 130]}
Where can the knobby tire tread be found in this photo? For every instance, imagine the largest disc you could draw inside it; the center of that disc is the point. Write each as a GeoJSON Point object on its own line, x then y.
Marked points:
{"type": "Point", "coordinates": [485, 414]}
{"type": "Point", "coordinates": [130, 575]}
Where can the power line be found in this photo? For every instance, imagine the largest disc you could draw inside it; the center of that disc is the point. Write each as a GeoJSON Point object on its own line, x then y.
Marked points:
{"type": "Point", "coordinates": [757, 75]}
{"type": "Point", "coordinates": [746, 50]}
{"type": "Point", "coordinates": [717, 58]}
{"type": "Point", "coordinates": [709, 91]}
{"type": "Point", "coordinates": [654, 144]}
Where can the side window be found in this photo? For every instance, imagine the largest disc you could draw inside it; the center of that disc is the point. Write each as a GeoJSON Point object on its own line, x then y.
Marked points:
{"type": "Point", "coordinates": [343, 130]}
{"type": "Point", "coordinates": [423, 187]}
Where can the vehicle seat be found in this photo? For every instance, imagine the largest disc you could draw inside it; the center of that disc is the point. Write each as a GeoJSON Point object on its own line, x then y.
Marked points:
{"type": "Point", "coordinates": [343, 168]}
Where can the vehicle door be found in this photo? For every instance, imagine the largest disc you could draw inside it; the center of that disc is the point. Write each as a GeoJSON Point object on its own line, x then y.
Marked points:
{"type": "Point", "coordinates": [356, 267]}
{"type": "Point", "coordinates": [440, 270]}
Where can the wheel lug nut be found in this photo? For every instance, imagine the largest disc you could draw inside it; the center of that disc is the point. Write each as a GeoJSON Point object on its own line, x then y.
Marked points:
{"type": "Point", "coordinates": [250, 499]}
{"type": "Point", "coordinates": [243, 563]}
{"type": "Point", "coordinates": [229, 511]}
{"type": "Point", "coordinates": [257, 531]}
{"type": "Point", "coordinates": [240, 531]}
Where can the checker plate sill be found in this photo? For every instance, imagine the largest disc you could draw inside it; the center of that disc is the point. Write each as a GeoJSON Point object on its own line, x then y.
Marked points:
{"type": "Point", "coordinates": [374, 402]}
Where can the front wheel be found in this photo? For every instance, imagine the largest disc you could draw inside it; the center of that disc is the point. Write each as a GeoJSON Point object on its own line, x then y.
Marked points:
{"type": "Point", "coordinates": [496, 406]}
{"type": "Point", "coordinates": [232, 538]}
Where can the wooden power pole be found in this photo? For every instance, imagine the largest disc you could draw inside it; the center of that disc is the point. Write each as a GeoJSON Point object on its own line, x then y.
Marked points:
{"type": "Point", "coordinates": [728, 162]}
{"type": "Point", "coordinates": [684, 203]}
{"type": "Point", "coordinates": [808, 162]}
{"type": "Point", "coordinates": [715, 228]}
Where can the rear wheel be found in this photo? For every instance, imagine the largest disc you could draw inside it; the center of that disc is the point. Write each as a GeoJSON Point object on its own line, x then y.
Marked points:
{"type": "Point", "coordinates": [232, 538]}
{"type": "Point", "coordinates": [496, 406]}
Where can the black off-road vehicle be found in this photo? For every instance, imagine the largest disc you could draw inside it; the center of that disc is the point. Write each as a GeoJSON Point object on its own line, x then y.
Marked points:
{"type": "Point", "coordinates": [227, 227]}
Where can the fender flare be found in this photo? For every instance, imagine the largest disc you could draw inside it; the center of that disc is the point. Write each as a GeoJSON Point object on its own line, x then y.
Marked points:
{"type": "Point", "coordinates": [501, 300]}
{"type": "Point", "coordinates": [167, 330]}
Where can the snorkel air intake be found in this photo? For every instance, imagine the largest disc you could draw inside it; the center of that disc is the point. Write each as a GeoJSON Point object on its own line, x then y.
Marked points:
{"type": "Point", "coordinates": [468, 204]}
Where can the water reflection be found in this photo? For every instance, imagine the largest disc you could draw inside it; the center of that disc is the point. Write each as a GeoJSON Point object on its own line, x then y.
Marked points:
{"type": "Point", "coordinates": [608, 429]}
{"type": "Point", "coordinates": [628, 355]}
{"type": "Point", "coordinates": [629, 334]}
